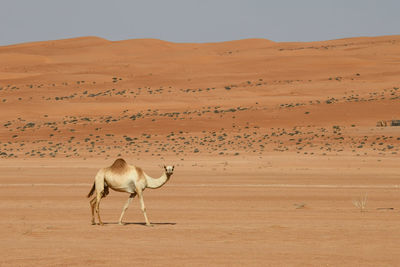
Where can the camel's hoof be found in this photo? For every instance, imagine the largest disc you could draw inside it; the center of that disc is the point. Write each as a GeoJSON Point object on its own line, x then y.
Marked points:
{"type": "Point", "coordinates": [101, 224]}
{"type": "Point", "coordinates": [149, 224]}
{"type": "Point", "coordinates": [121, 223]}
{"type": "Point", "coordinates": [93, 223]}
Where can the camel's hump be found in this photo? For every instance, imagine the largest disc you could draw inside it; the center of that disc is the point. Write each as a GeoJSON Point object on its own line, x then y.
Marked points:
{"type": "Point", "coordinates": [119, 164]}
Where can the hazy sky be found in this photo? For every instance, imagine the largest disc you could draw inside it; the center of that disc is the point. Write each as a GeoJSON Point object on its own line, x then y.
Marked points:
{"type": "Point", "coordinates": [197, 20]}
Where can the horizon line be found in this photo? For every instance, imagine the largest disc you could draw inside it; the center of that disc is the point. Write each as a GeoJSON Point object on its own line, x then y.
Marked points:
{"type": "Point", "coordinates": [206, 42]}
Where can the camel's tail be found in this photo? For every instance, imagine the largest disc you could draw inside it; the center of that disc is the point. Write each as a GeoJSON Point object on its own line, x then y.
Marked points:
{"type": "Point", "coordinates": [104, 193]}
{"type": "Point", "coordinates": [92, 190]}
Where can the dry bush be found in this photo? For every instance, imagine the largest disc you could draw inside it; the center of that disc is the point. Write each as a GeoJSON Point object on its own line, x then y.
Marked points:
{"type": "Point", "coordinates": [361, 203]}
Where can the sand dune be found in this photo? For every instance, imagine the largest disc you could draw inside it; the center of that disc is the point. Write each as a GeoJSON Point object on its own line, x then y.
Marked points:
{"type": "Point", "coordinates": [136, 87]}
{"type": "Point", "coordinates": [252, 112]}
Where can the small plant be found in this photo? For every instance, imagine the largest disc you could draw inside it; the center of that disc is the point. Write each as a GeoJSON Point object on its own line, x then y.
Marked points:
{"type": "Point", "coordinates": [361, 203]}
{"type": "Point", "coordinates": [299, 205]}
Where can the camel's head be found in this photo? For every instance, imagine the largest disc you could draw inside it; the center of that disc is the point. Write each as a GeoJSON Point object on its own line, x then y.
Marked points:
{"type": "Point", "coordinates": [169, 170]}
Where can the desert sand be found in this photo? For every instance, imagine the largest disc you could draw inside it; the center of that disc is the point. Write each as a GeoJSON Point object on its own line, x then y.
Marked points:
{"type": "Point", "coordinates": [274, 144]}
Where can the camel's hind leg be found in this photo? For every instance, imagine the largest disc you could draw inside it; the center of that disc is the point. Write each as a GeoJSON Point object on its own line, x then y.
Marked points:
{"type": "Point", "coordinates": [126, 206]}
{"type": "Point", "coordinates": [101, 191]}
{"type": "Point", "coordinates": [92, 205]}
{"type": "Point", "coordinates": [98, 198]}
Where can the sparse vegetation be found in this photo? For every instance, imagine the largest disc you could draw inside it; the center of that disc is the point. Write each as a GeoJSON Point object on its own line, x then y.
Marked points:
{"type": "Point", "coordinates": [361, 203]}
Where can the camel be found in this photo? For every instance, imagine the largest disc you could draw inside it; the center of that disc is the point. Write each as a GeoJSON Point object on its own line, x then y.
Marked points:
{"type": "Point", "coordinates": [122, 177]}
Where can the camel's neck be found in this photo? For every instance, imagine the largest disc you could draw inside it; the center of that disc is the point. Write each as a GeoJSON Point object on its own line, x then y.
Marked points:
{"type": "Point", "coordinates": [157, 182]}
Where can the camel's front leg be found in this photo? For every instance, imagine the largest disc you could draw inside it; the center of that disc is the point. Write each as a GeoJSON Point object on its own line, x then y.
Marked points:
{"type": "Point", "coordinates": [126, 206]}
{"type": "Point", "coordinates": [140, 195]}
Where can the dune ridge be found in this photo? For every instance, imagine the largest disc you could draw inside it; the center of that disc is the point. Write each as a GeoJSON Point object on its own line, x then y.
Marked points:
{"type": "Point", "coordinates": [248, 97]}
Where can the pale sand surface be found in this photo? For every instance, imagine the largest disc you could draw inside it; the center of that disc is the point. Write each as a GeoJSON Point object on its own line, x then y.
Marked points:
{"type": "Point", "coordinates": [272, 143]}
{"type": "Point", "coordinates": [272, 216]}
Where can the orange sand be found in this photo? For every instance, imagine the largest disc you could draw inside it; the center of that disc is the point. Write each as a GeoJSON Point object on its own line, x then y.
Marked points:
{"type": "Point", "coordinates": [272, 143]}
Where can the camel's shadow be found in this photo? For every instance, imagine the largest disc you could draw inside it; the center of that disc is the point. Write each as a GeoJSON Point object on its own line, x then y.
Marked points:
{"type": "Point", "coordinates": [142, 223]}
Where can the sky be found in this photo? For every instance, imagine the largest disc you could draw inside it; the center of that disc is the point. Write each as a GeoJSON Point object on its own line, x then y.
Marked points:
{"type": "Point", "coordinates": [197, 21]}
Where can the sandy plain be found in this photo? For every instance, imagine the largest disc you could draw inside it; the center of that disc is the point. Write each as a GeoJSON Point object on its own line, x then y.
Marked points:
{"type": "Point", "coordinates": [272, 142]}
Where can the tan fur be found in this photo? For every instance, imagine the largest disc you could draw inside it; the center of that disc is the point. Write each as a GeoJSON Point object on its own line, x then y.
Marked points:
{"type": "Point", "coordinates": [119, 166]}
{"type": "Point", "coordinates": [139, 173]}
